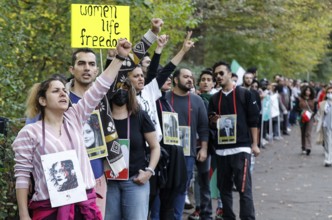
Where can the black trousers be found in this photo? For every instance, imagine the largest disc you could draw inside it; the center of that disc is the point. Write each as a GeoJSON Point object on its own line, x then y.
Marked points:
{"type": "Point", "coordinates": [235, 169]}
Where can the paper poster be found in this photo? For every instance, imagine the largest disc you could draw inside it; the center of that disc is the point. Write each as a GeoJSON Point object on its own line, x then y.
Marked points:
{"type": "Point", "coordinates": [94, 138]}
{"type": "Point", "coordinates": [64, 178]}
{"type": "Point", "coordinates": [170, 128]}
{"type": "Point", "coordinates": [226, 126]}
{"type": "Point", "coordinates": [185, 139]}
{"type": "Point", "coordinates": [99, 26]}
{"type": "Point", "coordinates": [123, 144]}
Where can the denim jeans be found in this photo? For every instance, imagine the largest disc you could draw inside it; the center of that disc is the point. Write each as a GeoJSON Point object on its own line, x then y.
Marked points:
{"type": "Point", "coordinates": [180, 199]}
{"type": "Point", "coordinates": [126, 200]}
{"type": "Point", "coordinates": [202, 189]}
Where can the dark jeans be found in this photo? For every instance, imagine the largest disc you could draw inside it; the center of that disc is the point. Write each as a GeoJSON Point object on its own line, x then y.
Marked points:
{"type": "Point", "coordinates": [235, 169]}
{"type": "Point", "coordinates": [203, 199]}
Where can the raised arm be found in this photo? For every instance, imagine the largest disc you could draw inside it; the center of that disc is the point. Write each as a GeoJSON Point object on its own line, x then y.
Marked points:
{"type": "Point", "coordinates": [169, 68]}
{"type": "Point", "coordinates": [153, 68]}
{"type": "Point", "coordinates": [123, 48]}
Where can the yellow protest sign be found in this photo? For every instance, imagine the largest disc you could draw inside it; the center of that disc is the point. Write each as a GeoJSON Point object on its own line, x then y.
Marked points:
{"type": "Point", "coordinates": [99, 26]}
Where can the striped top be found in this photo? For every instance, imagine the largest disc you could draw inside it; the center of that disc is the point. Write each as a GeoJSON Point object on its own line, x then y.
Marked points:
{"type": "Point", "coordinates": [28, 143]}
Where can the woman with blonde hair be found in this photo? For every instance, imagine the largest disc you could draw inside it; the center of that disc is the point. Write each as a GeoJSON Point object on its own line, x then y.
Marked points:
{"type": "Point", "coordinates": [59, 131]}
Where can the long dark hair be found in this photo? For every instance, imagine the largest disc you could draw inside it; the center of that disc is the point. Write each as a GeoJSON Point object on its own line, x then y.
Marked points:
{"type": "Point", "coordinates": [312, 92]}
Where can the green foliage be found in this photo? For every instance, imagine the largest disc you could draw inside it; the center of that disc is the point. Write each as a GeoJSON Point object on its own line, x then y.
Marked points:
{"type": "Point", "coordinates": [8, 207]}
{"type": "Point", "coordinates": [286, 36]}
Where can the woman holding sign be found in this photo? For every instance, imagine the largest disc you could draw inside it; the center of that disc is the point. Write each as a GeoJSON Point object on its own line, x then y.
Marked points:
{"type": "Point", "coordinates": [59, 135]}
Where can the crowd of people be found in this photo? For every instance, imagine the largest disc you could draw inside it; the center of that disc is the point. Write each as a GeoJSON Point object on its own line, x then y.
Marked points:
{"type": "Point", "coordinates": [159, 128]}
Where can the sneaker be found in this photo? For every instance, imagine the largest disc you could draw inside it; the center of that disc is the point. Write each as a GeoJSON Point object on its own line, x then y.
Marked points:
{"type": "Point", "coordinates": [187, 204]}
{"type": "Point", "coordinates": [327, 165]}
{"type": "Point", "coordinates": [194, 215]}
{"type": "Point", "coordinates": [264, 142]}
{"type": "Point", "coordinates": [219, 214]}
{"type": "Point", "coordinates": [277, 138]}
{"type": "Point", "coordinates": [308, 152]}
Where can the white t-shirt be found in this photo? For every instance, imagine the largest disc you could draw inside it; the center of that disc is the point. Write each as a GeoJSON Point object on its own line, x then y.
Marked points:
{"type": "Point", "coordinates": [147, 100]}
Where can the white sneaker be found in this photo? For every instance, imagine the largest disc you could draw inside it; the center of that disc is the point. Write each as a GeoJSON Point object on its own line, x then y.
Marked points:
{"type": "Point", "coordinates": [277, 138]}
{"type": "Point", "coordinates": [264, 142]}
{"type": "Point", "coordinates": [187, 199]}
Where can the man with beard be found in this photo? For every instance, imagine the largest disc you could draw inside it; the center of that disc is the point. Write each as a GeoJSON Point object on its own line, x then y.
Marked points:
{"type": "Point", "coordinates": [248, 78]}
{"type": "Point", "coordinates": [193, 118]}
{"type": "Point", "coordinates": [233, 159]}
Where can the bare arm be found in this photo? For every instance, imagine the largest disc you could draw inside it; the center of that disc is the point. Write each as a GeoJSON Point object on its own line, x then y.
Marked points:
{"type": "Point", "coordinates": [202, 153]}
{"type": "Point", "coordinates": [144, 175]}
{"type": "Point", "coordinates": [22, 202]}
{"type": "Point", "coordinates": [254, 147]}
{"type": "Point", "coordinates": [187, 44]}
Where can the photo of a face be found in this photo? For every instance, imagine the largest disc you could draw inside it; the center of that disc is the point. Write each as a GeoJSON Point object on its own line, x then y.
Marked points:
{"type": "Point", "coordinates": [93, 137]}
{"type": "Point", "coordinates": [63, 175]}
{"type": "Point", "coordinates": [89, 136]}
{"type": "Point", "coordinates": [59, 174]}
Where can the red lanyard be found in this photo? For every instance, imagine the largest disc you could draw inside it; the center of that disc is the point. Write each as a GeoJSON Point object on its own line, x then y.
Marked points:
{"type": "Point", "coordinates": [161, 107]}
{"type": "Point", "coordinates": [220, 99]}
{"type": "Point", "coordinates": [189, 106]}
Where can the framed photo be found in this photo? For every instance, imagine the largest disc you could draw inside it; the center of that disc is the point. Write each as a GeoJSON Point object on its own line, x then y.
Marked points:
{"type": "Point", "coordinates": [94, 138]}
{"type": "Point", "coordinates": [123, 145]}
{"type": "Point", "coordinates": [170, 128]}
{"type": "Point", "coordinates": [185, 139]}
{"type": "Point", "coordinates": [226, 126]}
{"type": "Point", "coordinates": [64, 178]}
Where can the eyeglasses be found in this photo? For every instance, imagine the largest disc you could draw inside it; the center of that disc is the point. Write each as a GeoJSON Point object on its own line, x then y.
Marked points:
{"type": "Point", "coordinates": [221, 73]}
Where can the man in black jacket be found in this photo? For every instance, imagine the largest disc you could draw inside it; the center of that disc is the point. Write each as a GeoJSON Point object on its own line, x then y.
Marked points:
{"type": "Point", "coordinates": [233, 159]}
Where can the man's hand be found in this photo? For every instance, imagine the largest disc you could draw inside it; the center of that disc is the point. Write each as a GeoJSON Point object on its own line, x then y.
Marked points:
{"type": "Point", "coordinates": [188, 43]}
{"type": "Point", "coordinates": [124, 47]}
{"type": "Point", "coordinates": [213, 118]}
{"type": "Point", "coordinates": [255, 150]}
{"type": "Point", "coordinates": [156, 24]}
{"type": "Point", "coordinates": [202, 154]}
{"type": "Point", "coordinates": [143, 177]}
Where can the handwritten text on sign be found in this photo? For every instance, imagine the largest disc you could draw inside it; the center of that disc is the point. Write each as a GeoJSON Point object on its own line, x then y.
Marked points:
{"type": "Point", "coordinates": [98, 26]}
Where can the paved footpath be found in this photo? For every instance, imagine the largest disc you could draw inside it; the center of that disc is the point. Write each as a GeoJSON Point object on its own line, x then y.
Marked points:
{"type": "Point", "coordinates": [288, 185]}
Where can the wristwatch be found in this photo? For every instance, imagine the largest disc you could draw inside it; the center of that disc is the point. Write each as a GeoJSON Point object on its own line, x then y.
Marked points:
{"type": "Point", "coordinates": [150, 170]}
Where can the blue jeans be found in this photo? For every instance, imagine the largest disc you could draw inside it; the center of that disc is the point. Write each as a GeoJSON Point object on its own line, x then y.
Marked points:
{"type": "Point", "coordinates": [180, 198]}
{"type": "Point", "coordinates": [126, 200]}
{"type": "Point", "coordinates": [202, 189]}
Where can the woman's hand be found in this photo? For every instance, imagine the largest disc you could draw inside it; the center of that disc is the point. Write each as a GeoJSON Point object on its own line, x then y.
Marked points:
{"type": "Point", "coordinates": [123, 48]}
{"type": "Point", "coordinates": [143, 177]}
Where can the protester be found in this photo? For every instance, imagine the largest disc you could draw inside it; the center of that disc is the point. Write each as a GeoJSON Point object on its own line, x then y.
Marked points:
{"type": "Point", "coordinates": [163, 206]}
{"type": "Point", "coordinates": [129, 199]}
{"type": "Point", "coordinates": [308, 108]}
{"type": "Point", "coordinates": [84, 70]}
{"type": "Point", "coordinates": [148, 95]}
{"type": "Point", "coordinates": [53, 134]}
{"type": "Point", "coordinates": [324, 125]}
{"type": "Point", "coordinates": [193, 119]}
{"type": "Point", "coordinates": [277, 110]}
{"type": "Point", "coordinates": [285, 95]}
{"type": "Point", "coordinates": [203, 205]}
{"type": "Point", "coordinates": [233, 158]}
